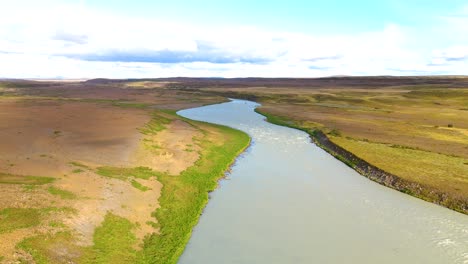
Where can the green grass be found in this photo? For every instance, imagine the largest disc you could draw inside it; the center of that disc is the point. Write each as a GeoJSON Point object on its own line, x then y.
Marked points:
{"type": "Point", "coordinates": [183, 197]}
{"type": "Point", "coordinates": [284, 121]}
{"type": "Point", "coordinates": [127, 173]}
{"type": "Point", "coordinates": [438, 93]}
{"type": "Point", "coordinates": [20, 179]}
{"type": "Point", "coordinates": [130, 105]}
{"type": "Point", "coordinates": [140, 186]}
{"type": "Point", "coordinates": [78, 164]}
{"type": "Point", "coordinates": [77, 171]}
{"type": "Point", "coordinates": [446, 173]}
{"type": "Point", "coordinates": [118, 103]}
{"type": "Point", "coordinates": [113, 242]}
{"type": "Point", "coordinates": [157, 123]}
{"type": "Point", "coordinates": [29, 188]}
{"type": "Point", "coordinates": [16, 218]}
{"type": "Point", "coordinates": [43, 248]}
{"type": "Point", "coordinates": [57, 224]}
{"type": "Point", "coordinates": [62, 193]}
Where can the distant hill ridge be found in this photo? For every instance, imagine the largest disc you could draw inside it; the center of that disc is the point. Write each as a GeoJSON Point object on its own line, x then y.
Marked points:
{"type": "Point", "coordinates": [364, 81]}
{"type": "Point", "coordinates": [328, 82]}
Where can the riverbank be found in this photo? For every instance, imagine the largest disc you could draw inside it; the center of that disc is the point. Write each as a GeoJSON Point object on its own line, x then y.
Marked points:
{"type": "Point", "coordinates": [184, 197]}
{"type": "Point", "coordinates": [372, 172]}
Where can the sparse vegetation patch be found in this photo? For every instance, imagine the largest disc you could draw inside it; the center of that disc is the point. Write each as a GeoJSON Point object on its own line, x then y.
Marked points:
{"type": "Point", "coordinates": [62, 193]}
{"type": "Point", "coordinates": [114, 242]}
{"type": "Point", "coordinates": [20, 179]}
{"type": "Point", "coordinates": [15, 218]}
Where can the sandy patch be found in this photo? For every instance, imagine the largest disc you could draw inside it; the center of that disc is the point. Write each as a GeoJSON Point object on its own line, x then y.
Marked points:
{"type": "Point", "coordinates": [172, 150]}
{"type": "Point", "coordinates": [8, 250]}
{"type": "Point", "coordinates": [15, 196]}
{"type": "Point", "coordinates": [99, 195]}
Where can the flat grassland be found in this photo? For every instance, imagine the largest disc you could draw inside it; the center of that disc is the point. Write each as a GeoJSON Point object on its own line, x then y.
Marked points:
{"type": "Point", "coordinates": [104, 172]}
{"type": "Point", "coordinates": [414, 128]}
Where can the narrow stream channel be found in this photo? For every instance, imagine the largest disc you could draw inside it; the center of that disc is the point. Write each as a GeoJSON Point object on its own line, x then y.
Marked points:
{"type": "Point", "coordinates": [288, 201]}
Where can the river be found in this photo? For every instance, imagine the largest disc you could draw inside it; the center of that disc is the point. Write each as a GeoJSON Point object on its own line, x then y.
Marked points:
{"type": "Point", "coordinates": [288, 201]}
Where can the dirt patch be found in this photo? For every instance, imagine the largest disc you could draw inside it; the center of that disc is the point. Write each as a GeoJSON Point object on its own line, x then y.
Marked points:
{"type": "Point", "coordinates": [8, 249]}
{"type": "Point", "coordinates": [100, 195]}
{"type": "Point", "coordinates": [171, 150]}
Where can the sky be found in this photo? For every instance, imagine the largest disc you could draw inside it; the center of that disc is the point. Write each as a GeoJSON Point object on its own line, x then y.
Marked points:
{"type": "Point", "coordinates": [232, 38]}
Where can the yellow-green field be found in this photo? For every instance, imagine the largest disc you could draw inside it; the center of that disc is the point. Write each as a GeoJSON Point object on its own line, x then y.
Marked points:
{"type": "Point", "coordinates": [442, 172]}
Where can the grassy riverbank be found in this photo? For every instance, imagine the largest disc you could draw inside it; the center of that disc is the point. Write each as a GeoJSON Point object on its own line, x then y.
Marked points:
{"type": "Point", "coordinates": [183, 197]}
{"type": "Point", "coordinates": [396, 167]}
{"type": "Point", "coordinates": [400, 131]}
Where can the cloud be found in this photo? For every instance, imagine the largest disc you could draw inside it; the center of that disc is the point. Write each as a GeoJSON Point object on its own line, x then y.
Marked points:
{"type": "Point", "coordinates": [451, 56]}
{"type": "Point", "coordinates": [455, 53]}
{"type": "Point", "coordinates": [336, 57]}
{"type": "Point", "coordinates": [204, 53]}
{"type": "Point", "coordinates": [437, 63]}
{"type": "Point", "coordinates": [411, 71]}
{"type": "Point", "coordinates": [313, 67]}
{"type": "Point", "coordinates": [77, 41]}
{"type": "Point", "coordinates": [8, 52]}
{"type": "Point", "coordinates": [69, 37]}
{"type": "Point", "coordinates": [457, 58]}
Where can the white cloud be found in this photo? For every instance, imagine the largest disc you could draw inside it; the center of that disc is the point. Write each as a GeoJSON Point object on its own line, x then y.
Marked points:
{"type": "Point", "coordinates": [453, 53]}
{"type": "Point", "coordinates": [77, 42]}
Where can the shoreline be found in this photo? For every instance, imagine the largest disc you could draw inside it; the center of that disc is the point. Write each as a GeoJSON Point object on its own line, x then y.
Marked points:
{"type": "Point", "coordinates": [179, 214]}
{"type": "Point", "coordinates": [374, 173]}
